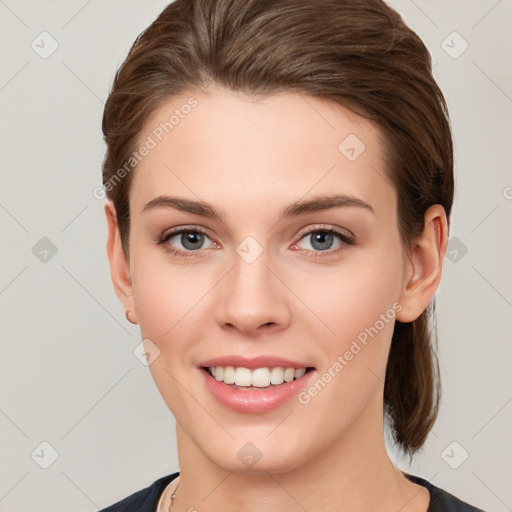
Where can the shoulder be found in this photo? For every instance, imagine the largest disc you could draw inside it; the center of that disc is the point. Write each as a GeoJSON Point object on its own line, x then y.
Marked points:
{"type": "Point", "coordinates": [144, 500]}
{"type": "Point", "coordinates": [440, 500]}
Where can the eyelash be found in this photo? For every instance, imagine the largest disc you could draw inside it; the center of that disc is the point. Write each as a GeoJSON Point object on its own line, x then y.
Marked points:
{"type": "Point", "coordinates": [345, 239]}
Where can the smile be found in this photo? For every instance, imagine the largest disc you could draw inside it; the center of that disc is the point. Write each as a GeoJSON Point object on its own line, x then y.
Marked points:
{"type": "Point", "coordinates": [241, 377]}
{"type": "Point", "coordinates": [258, 390]}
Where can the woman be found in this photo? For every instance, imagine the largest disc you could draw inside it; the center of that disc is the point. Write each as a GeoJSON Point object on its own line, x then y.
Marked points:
{"type": "Point", "coordinates": [280, 180]}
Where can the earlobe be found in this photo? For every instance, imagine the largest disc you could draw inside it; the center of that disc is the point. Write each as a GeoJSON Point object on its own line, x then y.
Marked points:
{"type": "Point", "coordinates": [423, 268]}
{"type": "Point", "coordinates": [119, 267]}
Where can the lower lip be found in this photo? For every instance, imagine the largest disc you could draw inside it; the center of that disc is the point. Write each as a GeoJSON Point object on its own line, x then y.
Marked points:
{"type": "Point", "coordinates": [255, 401]}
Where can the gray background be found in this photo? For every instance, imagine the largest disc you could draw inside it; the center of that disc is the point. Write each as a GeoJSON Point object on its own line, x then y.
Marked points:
{"type": "Point", "coordinates": [68, 374]}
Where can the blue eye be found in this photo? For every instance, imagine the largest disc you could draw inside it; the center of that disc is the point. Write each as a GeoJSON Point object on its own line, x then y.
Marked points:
{"type": "Point", "coordinates": [323, 240]}
{"type": "Point", "coordinates": [190, 240]}
{"type": "Point", "coordinates": [183, 241]}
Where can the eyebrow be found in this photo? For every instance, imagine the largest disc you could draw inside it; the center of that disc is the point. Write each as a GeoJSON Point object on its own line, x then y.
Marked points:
{"type": "Point", "coordinates": [184, 205]}
{"type": "Point", "coordinates": [324, 203]}
{"type": "Point", "coordinates": [295, 209]}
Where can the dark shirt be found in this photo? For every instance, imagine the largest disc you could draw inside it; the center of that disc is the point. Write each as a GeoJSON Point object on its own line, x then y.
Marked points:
{"type": "Point", "coordinates": [146, 500]}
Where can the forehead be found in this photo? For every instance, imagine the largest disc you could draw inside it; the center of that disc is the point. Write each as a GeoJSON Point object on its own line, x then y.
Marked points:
{"type": "Point", "coordinates": [240, 152]}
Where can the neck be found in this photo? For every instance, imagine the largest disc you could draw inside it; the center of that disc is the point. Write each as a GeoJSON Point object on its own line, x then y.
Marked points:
{"type": "Point", "coordinates": [355, 474]}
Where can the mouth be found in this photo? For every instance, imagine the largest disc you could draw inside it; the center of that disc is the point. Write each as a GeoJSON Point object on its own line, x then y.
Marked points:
{"type": "Point", "coordinates": [257, 384]}
{"type": "Point", "coordinates": [257, 378]}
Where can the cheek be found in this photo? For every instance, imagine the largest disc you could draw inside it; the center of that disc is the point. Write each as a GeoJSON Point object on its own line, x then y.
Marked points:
{"type": "Point", "coordinates": [351, 298]}
{"type": "Point", "coordinates": [166, 303]}
{"type": "Point", "coordinates": [170, 302]}
{"type": "Point", "coordinates": [167, 295]}
{"type": "Point", "coordinates": [357, 305]}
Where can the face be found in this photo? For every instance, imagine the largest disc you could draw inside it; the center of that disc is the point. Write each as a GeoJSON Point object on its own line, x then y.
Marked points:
{"type": "Point", "coordinates": [264, 234]}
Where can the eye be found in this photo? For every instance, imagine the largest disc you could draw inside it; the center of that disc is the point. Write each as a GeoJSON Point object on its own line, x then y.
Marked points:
{"type": "Point", "coordinates": [186, 240]}
{"type": "Point", "coordinates": [323, 240]}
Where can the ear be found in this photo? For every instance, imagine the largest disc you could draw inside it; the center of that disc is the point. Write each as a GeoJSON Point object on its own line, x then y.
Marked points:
{"type": "Point", "coordinates": [423, 265]}
{"type": "Point", "coordinates": [119, 266]}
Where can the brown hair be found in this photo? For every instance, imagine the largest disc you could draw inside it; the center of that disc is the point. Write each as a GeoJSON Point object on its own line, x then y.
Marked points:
{"type": "Point", "coordinates": [357, 53]}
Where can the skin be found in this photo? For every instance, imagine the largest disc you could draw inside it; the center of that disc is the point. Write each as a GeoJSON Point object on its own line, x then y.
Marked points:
{"type": "Point", "coordinates": [250, 159]}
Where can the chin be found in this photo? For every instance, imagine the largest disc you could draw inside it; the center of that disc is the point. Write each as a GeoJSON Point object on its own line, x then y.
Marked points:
{"type": "Point", "coordinates": [247, 454]}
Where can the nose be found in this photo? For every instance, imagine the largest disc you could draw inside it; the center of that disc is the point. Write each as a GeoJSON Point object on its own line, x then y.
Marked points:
{"type": "Point", "coordinates": [251, 299]}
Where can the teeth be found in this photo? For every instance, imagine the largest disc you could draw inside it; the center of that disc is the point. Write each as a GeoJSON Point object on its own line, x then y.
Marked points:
{"type": "Point", "coordinates": [229, 374]}
{"type": "Point", "coordinates": [299, 373]}
{"type": "Point", "coordinates": [243, 377]}
{"type": "Point", "coordinates": [219, 373]}
{"type": "Point", "coordinates": [259, 378]}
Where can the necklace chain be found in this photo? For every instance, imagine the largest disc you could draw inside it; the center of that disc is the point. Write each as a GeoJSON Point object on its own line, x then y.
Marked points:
{"type": "Point", "coordinates": [173, 495]}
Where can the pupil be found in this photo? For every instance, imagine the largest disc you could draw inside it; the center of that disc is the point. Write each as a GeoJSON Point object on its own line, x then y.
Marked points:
{"type": "Point", "coordinates": [192, 240]}
{"type": "Point", "coordinates": [322, 240]}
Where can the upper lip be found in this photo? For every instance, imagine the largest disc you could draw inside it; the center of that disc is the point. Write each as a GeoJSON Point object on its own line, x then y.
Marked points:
{"type": "Point", "coordinates": [262, 361]}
